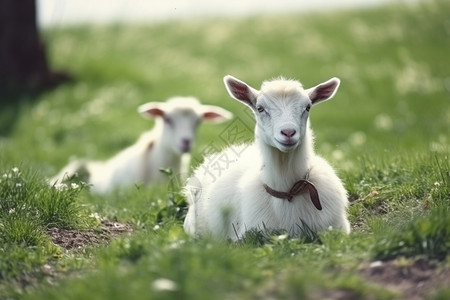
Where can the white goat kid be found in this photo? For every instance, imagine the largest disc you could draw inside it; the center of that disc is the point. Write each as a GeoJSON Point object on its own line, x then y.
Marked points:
{"type": "Point", "coordinates": [278, 182]}
{"type": "Point", "coordinates": [163, 147]}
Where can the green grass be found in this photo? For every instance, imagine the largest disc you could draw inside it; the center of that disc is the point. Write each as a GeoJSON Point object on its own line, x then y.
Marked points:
{"type": "Point", "coordinates": [386, 132]}
{"type": "Point", "coordinates": [29, 206]}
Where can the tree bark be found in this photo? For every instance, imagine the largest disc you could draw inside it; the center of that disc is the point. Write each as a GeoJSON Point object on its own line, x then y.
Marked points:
{"type": "Point", "coordinates": [23, 60]}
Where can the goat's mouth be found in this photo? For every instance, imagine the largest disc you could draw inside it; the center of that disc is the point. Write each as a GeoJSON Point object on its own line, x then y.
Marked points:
{"type": "Point", "coordinates": [287, 145]}
{"type": "Point", "coordinates": [185, 149]}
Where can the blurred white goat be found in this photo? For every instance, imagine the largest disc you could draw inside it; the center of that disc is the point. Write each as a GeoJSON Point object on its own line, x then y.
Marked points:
{"type": "Point", "coordinates": [164, 146]}
{"type": "Point", "coordinates": [278, 182]}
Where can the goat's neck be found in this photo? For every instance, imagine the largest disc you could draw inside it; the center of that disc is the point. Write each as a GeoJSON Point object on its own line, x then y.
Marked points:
{"type": "Point", "coordinates": [158, 153]}
{"type": "Point", "coordinates": [281, 170]}
{"type": "Point", "coordinates": [165, 156]}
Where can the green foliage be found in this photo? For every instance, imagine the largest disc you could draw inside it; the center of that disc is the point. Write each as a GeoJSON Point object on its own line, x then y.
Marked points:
{"type": "Point", "coordinates": [175, 206]}
{"type": "Point", "coordinates": [29, 205]}
{"type": "Point", "coordinates": [27, 198]}
{"type": "Point", "coordinates": [426, 236]}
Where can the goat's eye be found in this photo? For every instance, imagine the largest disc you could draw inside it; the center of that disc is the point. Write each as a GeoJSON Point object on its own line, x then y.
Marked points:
{"type": "Point", "coordinates": [308, 107]}
{"type": "Point", "coordinates": [260, 108]}
{"type": "Point", "coordinates": [168, 120]}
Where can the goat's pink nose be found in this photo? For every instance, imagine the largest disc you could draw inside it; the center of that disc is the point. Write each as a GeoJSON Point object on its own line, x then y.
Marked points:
{"type": "Point", "coordinates": [288, 132]}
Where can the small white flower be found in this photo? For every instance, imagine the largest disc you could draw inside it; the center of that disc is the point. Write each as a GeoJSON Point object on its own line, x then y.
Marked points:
{"type": "Point", "coordinates": [61, 186]}
{"type": "Point", "coordinates": [376, 264]}
{"type": "Point", "coordinates": [95, 216]}
{"type": "Point", "coordinates": [176, 244]}
{"type": "Point", "coordinates": [337, 154]}
{"type": "Point", "coordinates": [15, 170]}
{"type": "Point", "coordinates": [164, 284]}
{"type": "Point", "coordinates": [437, 184]}
{"type": "Point", "coordinates": [282, 237]}
{"type": "Point", "coordinates": [357, 138]}
{"type": "Point", "coordinates": [156, 227]}
{"type": "Point", "coordinates": [424, 244]}
{"type": "Point", "coordinates": [18, 184]}
{"type": "Point", "coordinates": [11, 211]}
{"type": "Point", "coordinates": [74, 186]}
{"type": "Point", "coordinates": [383, 122]}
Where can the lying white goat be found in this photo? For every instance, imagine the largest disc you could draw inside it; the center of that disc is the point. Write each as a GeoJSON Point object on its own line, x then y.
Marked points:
{"type": "Point", "coordinates": [278, 182]}
{"type": "Point", "coordinates": [162, 147]}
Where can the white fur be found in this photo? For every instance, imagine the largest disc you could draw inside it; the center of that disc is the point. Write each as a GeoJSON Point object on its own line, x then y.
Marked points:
{"type": "Point", "coordinates": [234, 201]}
{"type": "Point", "coordinates": [164, 146]}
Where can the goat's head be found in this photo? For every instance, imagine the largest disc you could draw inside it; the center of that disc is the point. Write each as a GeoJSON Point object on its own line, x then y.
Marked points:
{"type": "Point", "coordinates": [281, 107]}
{"type": "Point", "coordinates": [180, 117]}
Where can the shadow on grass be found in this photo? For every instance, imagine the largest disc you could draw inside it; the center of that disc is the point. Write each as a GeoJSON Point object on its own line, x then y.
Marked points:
{"type": "Point", "coordinates": [13, 98]}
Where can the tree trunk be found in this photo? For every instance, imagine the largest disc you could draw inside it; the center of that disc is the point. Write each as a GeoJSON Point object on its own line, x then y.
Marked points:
{"type": "Point", "coordinates": [23, 61]}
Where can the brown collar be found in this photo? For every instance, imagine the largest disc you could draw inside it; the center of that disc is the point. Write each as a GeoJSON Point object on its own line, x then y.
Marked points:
{"type": "Point", "coordinates": [296, 189]}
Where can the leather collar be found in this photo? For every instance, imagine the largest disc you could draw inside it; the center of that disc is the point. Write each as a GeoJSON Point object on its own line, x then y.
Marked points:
{"type": "Point", "coordinates": [300, 186]}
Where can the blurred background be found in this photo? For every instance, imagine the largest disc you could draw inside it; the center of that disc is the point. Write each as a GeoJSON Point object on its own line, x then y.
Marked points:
{"type": "Point", "coordinates": [74, 72]}
{"type": "Point", "coordinates": [60, 13]}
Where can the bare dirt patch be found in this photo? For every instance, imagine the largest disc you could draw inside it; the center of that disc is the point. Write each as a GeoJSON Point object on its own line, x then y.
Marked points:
{"type": "Point", "coordinates": [410, 280]}
{"type": "Point", "coordinates": [71, 240]}
{"type": "Point", "coordinates": [77, 239]}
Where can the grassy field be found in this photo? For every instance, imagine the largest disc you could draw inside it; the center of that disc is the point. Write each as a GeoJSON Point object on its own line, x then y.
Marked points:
{"type": "Point", "coordinates": [386, 132]}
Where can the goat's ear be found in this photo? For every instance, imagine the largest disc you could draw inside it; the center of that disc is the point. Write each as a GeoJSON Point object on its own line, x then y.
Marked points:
{"type": "Point", "coordinates": [151, 110]}
{"type": "Point", "coordinates": [323, 91]}
{"type": "Point", "coordinates": [241, 91]}
{"type": "Point", "coordinates": [215, 114]}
